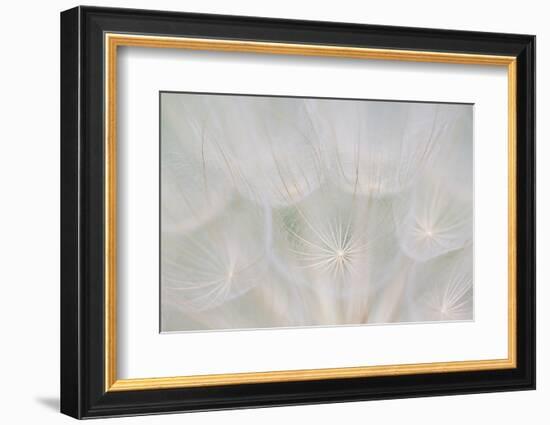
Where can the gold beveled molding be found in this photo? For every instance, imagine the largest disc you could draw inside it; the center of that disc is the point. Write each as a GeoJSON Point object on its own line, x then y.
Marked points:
{"type": "Point", "coordinates": [113, 41]}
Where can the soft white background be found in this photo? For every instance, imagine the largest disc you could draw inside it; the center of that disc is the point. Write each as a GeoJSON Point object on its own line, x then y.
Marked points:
{"type": "Point", "coordinates": [29, 225]}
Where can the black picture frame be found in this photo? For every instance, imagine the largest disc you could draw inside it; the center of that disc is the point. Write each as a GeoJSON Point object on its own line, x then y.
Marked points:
{"type": "Point", "coordinates": [83, 392]}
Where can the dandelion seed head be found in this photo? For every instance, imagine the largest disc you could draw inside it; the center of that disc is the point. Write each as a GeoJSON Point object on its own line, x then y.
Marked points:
{"type": "Point", "coordinates": [284, 212]}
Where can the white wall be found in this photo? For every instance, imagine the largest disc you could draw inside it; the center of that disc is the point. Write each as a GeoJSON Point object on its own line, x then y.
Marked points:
{"type": "Point", "coordinates": [29, 225]}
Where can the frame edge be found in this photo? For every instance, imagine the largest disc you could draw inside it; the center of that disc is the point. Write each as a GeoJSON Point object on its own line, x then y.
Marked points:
{"type": "Point", "coordinates": [70, 349]}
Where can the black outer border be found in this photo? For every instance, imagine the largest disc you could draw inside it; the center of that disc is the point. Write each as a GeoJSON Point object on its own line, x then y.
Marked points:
{"type": "Point", "coordinates": [82, 221]}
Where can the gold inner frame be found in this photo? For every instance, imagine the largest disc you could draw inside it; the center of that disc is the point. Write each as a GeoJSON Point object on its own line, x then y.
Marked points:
{"type": "Point", "coordinates": [113, 41]}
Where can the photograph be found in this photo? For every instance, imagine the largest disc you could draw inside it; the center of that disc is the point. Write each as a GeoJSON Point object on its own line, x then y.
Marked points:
{"type": "Point", "coordinates": [292, 212]}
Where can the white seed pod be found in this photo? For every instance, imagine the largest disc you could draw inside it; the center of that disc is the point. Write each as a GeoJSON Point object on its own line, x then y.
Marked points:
{"type": "Point", "coordinates": [339, 243]}
{"type": "Point", "coordinates": [270, 148]}
{"type": "Point", "coordinates": [217, 262]}
{"type": "Point", "coordinates": [454, 161]}
{"type": "Point", "coordinates": [442, 289]}
{"type": "Point", "coordinates": [431, 220]}
{"type": "Point", "coordinates": [194, 181]}
{"type": "Point", "coordinates": [377, 148]}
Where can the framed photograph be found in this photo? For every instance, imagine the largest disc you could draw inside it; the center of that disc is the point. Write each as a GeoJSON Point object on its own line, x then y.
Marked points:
{"type": "Point", "coordinates": [261, 212]}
